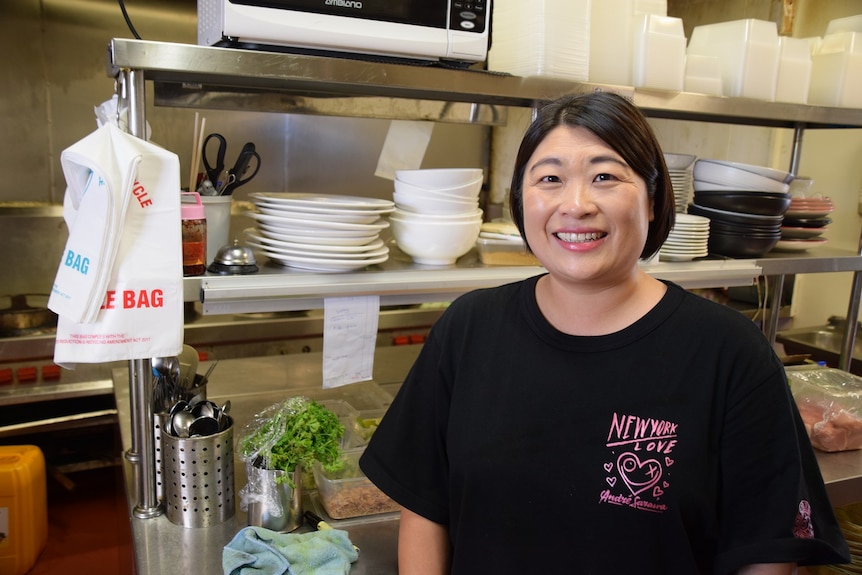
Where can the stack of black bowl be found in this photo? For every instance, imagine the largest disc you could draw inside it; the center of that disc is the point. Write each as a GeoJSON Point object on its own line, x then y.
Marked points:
{"type": "Point", "coordinates": [745, 205]}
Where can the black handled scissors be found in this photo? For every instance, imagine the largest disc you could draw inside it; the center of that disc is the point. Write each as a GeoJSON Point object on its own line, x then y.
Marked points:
{"type": "Point", "coordinates": [236, 175]}
{"type": "Point", "coordinates": [216, 169]}
{"type": "Point", "coordinates": [226, 181]}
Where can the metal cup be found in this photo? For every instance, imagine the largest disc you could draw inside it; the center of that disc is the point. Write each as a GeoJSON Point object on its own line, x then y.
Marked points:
{"type": "Point", "coordinates": [276, 505]}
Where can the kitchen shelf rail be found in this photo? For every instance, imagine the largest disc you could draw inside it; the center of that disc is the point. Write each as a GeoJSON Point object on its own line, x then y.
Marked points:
{"type": "Point", "coordinates": [186, 75]}
{"type": "Point", "coordinates": [281, 289]}
{"type": "Point", "coordinates": [275, 288]}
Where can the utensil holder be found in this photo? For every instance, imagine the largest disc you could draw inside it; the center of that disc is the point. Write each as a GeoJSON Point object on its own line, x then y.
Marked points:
{"type": "Point", "coordinates": [160, 428]}
{"type": "Point", "coordinates": [199, 478]}
{"type": "Point", "coordinates": [275, 505]}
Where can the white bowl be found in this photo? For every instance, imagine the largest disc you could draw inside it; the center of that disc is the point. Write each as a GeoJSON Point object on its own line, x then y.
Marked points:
{"type": "Point", "coordinates": [679, 161]}
{"type": "Point", "coordinates": [435, 243]}
{"type": "Point", "coordinates": [467, 191]}
{"type": "Point", "coordinates": [415, 203]}
{"type": "Point", "coordinates": [439, 177]}
{"type": "Point", "coordinates": [407, 215]}
{"type": "Point", "coordinates": [782, 176]}
{"type": "Point", "coordinates": [736, 178]}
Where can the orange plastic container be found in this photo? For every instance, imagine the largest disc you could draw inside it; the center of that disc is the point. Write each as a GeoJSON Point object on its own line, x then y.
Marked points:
{"type": "Point", "coordinates": [23, 507]}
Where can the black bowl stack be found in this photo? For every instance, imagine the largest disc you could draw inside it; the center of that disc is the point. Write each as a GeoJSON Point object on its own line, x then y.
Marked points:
{"type": "Point", "coordinates": [745, 205]}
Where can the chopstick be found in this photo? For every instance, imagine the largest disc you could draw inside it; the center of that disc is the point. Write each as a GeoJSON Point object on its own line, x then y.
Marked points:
{"type": "Point", "coordinates": [197, 141]}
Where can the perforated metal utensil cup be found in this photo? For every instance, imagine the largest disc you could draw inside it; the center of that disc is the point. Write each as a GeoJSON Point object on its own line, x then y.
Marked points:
{"type": "Point", "coordinates": [198, 478]}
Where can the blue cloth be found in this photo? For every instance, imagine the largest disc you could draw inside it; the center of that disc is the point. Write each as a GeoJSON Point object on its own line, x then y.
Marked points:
{"type": "Point", "coordinates": [260, 551]}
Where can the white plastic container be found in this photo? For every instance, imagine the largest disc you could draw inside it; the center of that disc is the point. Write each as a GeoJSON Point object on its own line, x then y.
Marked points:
{"type": "Point", "coordinates": [658, 55]}
{"type": "Point", "coordinates": [541, 38]}
{"type": "Point", "coordinates": [703, 75]}
{"type": "Point", "coordinates": [794, 71]}
{"type": "Point", "coordinates": [848, 24]}
{"type": "Point", "coordinates": [611, 41]}
{"type": "Point", "coordinates": [748, 52]}
{"type": "Point", "coordinates": [836, 71]}
{"type": "Point", "coordinates": [657, 7]}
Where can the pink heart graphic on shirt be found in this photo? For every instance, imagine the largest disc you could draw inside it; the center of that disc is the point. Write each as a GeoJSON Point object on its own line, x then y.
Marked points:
{"type": "Point", "coordinates": [608, 467]}
{"type": "Point", "coordinates": [611, 480]}
{"type": "Point", "coordinates": [668, 461]}
{"type": "Point", "coordinates": [657, 492]}
{"type": "Point", "coordinates": [665, 484]}
{"type": "Point", "coordinates": [638, 475]}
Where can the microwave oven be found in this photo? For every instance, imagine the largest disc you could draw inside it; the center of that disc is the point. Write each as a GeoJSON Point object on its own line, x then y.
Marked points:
{"type": "Point", "coordinates": [454, 30]}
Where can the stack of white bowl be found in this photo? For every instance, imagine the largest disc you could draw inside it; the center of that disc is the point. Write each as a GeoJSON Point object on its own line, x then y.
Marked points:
{"type": "Point", "coordinates": [437, 216]}
{"type": "Point", "coordinates": [679, 168]}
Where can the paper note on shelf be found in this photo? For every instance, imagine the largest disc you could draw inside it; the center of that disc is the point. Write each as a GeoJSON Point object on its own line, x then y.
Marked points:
{"type": "Point", "coordinates": [349, 339]}
{"type": "Point", "coordinates": [404, 148]}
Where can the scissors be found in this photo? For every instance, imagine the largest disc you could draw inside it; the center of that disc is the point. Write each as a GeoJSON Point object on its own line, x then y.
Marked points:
{"type": "Point", "coordinates": [225, 181]}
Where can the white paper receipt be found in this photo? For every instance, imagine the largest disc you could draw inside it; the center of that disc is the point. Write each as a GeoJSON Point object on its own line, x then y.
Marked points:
{"type": "Point", "coordinates": [349, 339]}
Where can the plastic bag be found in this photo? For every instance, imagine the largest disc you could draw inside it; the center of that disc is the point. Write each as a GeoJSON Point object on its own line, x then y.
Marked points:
{"type": "Point", "coordinates": [288, 435]}
{"type": "Point", "coordinates": [830, 403]}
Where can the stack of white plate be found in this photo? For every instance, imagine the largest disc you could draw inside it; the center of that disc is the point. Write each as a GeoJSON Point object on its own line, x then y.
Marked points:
{"type": "Point", "coordinates": [679, 167]}
{"type": "Point", "coordinates": [319, 232]}
{"type": "Point", "coordinates": [688, 239]}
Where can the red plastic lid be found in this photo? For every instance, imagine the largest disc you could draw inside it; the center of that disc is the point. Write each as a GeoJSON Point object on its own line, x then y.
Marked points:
{"type": "Point", "coordinates": [190, 211]}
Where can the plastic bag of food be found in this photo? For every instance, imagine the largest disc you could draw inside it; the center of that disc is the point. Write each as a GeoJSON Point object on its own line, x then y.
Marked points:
{"type": "Point", "coordinates": [285, 437]}
{"type": "Point", "coordinates": [830, 403]}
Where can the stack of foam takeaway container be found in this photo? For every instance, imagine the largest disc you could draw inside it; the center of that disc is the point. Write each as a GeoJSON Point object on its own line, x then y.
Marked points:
{"type": "Point", "coordinates": [635, 43]}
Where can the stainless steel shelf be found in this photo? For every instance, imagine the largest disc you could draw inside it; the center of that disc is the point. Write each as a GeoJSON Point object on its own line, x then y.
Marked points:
{"type": "Point", "coordinates": [815, 261]}
{"type": "Point", "coordinates": [202, 76]}
{"type": "Point", "coordinates": [276, 288]}
{"type": "Point", "coordinates": [399, 282]}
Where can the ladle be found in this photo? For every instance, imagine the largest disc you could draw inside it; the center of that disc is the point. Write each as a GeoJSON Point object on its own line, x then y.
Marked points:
{"type": "Point", "coordinates": [180, 419]}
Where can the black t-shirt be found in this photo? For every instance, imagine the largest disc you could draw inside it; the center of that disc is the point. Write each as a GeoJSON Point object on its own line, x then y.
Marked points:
{"type": "Point", "coordinates": [671, 446]}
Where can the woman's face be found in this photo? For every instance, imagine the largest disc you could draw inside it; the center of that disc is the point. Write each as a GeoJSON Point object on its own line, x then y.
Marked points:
{"type": "Point", "coordinates": [586, 212]}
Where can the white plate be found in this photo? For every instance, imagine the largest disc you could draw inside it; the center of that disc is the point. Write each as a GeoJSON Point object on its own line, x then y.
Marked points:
{"type": "Point", "coordinates": [691, 220]}
{"type": "Point", "coordinates": [690, 246]}
{"type": "Point", "coordinates": [331, 216]}
{"type": "Point", "coordinates": [371, 246]}
{"type": "Point", "coordinates": [322, 208]}
{"type": "Point", "coordinates": [325, 256]}
{"type": "Point", "coordinates": [301, 224]}
{"type": "Point", "coordinates": [798, 245]}
{"type": "Point", "coordinates": [319, 238]}
{"type": "Point", "coordinates": [322, 265]}
{"type": "Point", "coordinates": [323, 200]}
{"type": "Point", "coordinates": [689, 234]}
{"type": "Point", "coordinates": [684, 249]}
{"type": "Point", "coordinates": [669, 257]}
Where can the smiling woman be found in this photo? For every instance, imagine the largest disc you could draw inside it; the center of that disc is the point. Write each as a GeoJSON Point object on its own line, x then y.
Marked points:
{"type": "Point", "coordinates": [573, 411]}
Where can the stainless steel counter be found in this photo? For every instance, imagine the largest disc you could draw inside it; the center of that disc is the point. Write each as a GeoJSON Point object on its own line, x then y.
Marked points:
{"type": "Point", "coordinates": [252, 384]}
{"type": "Point", "coordinates": [162, 547]}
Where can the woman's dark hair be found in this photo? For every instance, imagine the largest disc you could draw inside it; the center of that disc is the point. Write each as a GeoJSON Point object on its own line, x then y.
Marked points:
{"type": "Point", "coordinates": [623, 127]}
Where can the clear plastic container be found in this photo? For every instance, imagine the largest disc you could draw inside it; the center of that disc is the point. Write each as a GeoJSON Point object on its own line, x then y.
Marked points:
{"type": "Point", "coordinates": [348, 492]}
{"type": "Point", "coordinates": [365, 424]}
{"type": "Point", "coordinates": [504, 253]}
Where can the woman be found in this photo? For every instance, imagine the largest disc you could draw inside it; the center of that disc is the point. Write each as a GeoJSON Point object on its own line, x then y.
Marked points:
{"type": "Point", "coordinates": [595, 419]}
